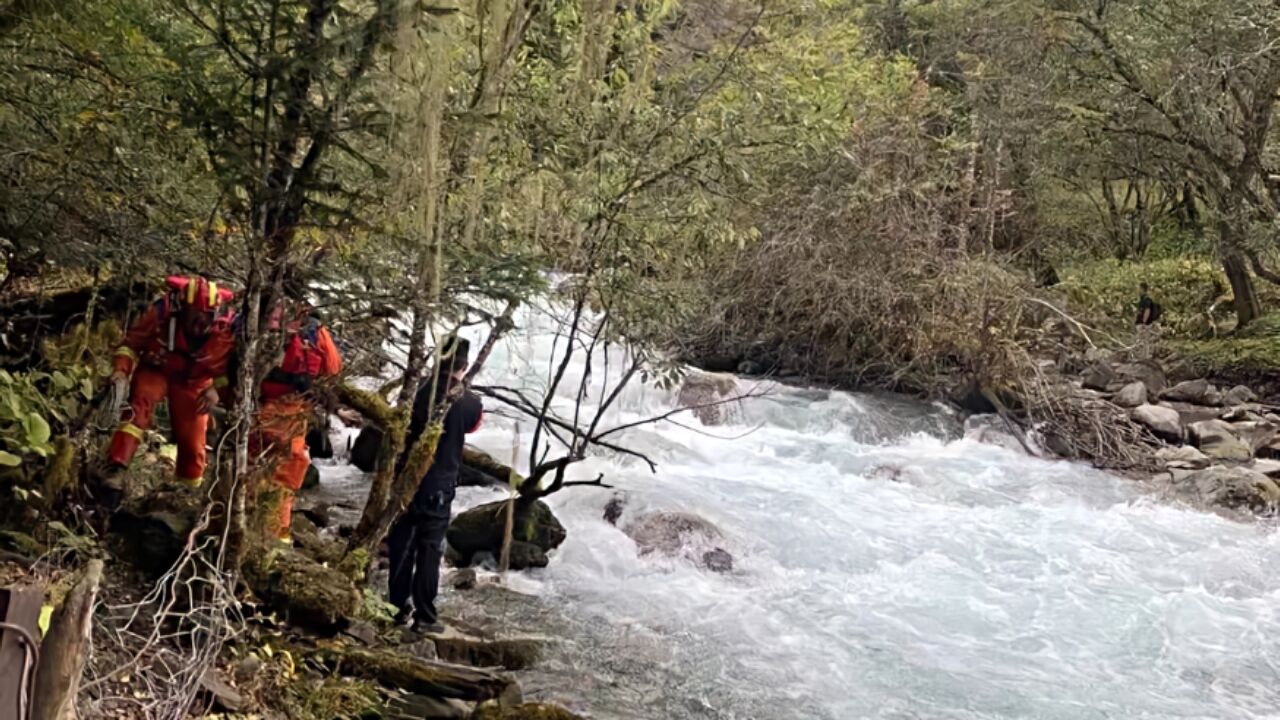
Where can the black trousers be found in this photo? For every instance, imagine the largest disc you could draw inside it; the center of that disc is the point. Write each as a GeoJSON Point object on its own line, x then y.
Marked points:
{"type": "Point", "coordinates": [416, 545]}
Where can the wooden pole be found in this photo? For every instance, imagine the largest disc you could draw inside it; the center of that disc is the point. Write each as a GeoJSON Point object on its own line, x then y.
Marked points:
{"type": "Point", "coordinates": [504, 560]}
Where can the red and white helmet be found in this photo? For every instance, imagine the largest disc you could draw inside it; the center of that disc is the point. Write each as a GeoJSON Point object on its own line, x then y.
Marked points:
{"type": "Point", "coordinates": [198, 293]}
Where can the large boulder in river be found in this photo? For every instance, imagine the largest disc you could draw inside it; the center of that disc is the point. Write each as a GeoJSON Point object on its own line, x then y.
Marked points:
{"type": "Point", "coordinates": [1164, 422]}
{"type": "Point", "coordinates": [675, 534]}
{"type": "Point", "coordinates": [480, 530]}
{"type": "Point", "coordinates": [706, 394]}
{"type": "Point", "coordinates": [1196, 392]}
{"type": "Point", "coordinates": [1216, 439]}
{"type": "Point", "coordinates": [1232, 487]}
{"type": "Point", "coordinates": [1131, 395]}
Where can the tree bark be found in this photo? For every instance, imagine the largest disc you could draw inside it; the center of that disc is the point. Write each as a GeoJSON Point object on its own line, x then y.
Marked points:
{"type": "Point", "coordinates": [63, 652]}
{"type": "Point", "coordinates": [1247, 305]}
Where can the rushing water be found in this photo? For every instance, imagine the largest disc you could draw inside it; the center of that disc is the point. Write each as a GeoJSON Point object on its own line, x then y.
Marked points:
{"type": "Point", "coordinates": [884, 569]}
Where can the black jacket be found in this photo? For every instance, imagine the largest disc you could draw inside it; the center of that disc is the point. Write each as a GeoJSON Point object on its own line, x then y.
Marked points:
{"type": "Point", "coordinates": [463, 417]}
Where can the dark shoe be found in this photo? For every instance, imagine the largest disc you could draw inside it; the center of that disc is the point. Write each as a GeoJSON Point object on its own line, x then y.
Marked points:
{"type": "Point", "coordinates": [427, 628]}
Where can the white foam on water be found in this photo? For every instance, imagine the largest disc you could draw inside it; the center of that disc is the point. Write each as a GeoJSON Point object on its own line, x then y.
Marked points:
{"type": "Point", "coordinates": [967, 581]}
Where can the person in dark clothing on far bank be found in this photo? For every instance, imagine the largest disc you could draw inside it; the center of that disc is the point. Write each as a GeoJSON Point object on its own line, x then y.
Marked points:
{"type": "Point", "coordinates": [1147, 324]}
{"type": "Point", "coordinates": [416, 542]}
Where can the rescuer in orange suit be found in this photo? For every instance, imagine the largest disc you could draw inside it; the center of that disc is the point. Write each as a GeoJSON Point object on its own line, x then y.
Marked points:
{"type": "Point", "coordinates": [286, 405]}
{"type": "Point", "coordinates": [179, 349]}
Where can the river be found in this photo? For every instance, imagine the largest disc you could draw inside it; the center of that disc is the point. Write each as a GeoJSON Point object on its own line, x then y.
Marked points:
{"type": "Point", "coordinates": [885, 568]}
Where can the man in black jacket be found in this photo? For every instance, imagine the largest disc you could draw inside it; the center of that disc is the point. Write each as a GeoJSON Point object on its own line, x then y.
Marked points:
{"type": "Point", "coordinates": [416, 542]}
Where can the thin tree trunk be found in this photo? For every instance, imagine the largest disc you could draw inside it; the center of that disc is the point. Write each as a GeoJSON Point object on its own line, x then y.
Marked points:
{"type": "Point", "coordinates": [1248, 306]}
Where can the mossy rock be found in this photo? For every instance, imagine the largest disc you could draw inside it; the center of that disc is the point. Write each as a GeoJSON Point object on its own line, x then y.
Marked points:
{"type": "Point", "coordinates": [481, 530]}
{"type": "Point", "coordinates": [527, 711]}
{"type": "Point", "coordinates": [152, 541]}
{"type": "Point", "coordinates": [305, 591]}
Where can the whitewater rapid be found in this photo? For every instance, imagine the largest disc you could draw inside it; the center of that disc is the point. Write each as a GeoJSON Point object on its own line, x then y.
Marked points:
{"type": "Point", "coordinates": [885, 568]}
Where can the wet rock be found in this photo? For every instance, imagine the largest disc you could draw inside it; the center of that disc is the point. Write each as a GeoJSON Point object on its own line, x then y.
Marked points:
{"type": "Point", "coordinates": [481, 530]}
{"type": "Point", "coordinates": [1232, 487]}
{"type": "Point", "coordinates": [362, 631]}
{"type": "Point", "coordinates": [367, 448]}
{"type": "Point", "coordinates": [613, 509]}
{"type": "Point", "coordinates": [525, 555]}
{"type": "Point", "coordinates": [1131, 395]}
{"type": "Point", "coordinates": [991, 430]}
{"type": "Point", "coordinates": [1216, 439]}
{"type": "Point", "coordinates": [1147, 372]}
{"type": "Point", "coordinates": [1196, 392]}
{"type": "Point", "coordinates": [479, 469]}
{"type": "Point", "coordinates": [463, 579]}
{"type": "Point", "coordinates": [677, 534]}
{"type": "Point", "coordinates": [508, 654]}
{"type": "Point", "coordinates": [1164, 422]}
{"type": "Point", "coordinates": [892, 473]}
{"type": "Point", "coordinates": [1239, 395]}
{"type": "Point", "coordinates": [528, 711]}
{"type": "Point", "coordinates": [417, 646]}
{"type": "Point", "coordinates": [1098, 377]}
{"type": "Point", "coordinates": [152, 539]}
{"type": "Point", "coordinates": [319, 445]}
{"type": "Point", "coordinates": [1183, 457]}
{"type": "Point", "coordinates": [701, 390]}
{"type": "Point", "coordinates": [311, 479]}
{"type": "Point", "coordinates": [717, 560]}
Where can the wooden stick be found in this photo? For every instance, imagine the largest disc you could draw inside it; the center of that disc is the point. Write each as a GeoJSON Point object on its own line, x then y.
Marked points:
{"type": "Point", "coordinates": [504, 559]}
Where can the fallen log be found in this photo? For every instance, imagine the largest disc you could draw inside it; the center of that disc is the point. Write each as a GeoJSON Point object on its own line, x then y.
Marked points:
{"type": "Point", "coordinates": [64, 650]}
{"type": "Point", "coordinates": [436, 679]}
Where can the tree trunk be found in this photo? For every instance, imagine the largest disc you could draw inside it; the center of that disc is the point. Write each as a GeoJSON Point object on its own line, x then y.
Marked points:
{"type": "Point", "coordinates": [1248, 306]}
{"type": "Point", "coordinates": [63, 652]}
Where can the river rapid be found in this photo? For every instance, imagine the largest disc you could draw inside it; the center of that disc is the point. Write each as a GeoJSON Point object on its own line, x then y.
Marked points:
{"type": "Point", "coordinates": [885, 567]}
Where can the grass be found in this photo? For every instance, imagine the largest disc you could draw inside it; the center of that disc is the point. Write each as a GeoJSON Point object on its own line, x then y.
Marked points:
{"type": "Point", "coordinates": [1254, 349]}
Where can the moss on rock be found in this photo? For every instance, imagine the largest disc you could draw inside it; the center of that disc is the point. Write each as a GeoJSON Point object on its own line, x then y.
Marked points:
{"type": "Point", "coordinates": [481, 529]}
{"type": "Point", "coordinates": [307, 592]}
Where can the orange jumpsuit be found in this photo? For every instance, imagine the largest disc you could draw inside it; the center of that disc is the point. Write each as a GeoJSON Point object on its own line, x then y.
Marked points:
{"type": "Point", "coordinates": [163, 363]}
{"type": "Point", "coordinates": [285, 410]}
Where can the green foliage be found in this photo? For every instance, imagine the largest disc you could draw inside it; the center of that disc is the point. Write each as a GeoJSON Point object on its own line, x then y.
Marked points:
{"type": "Point", "coordinates": [1106, 292]}
{"type": "Point", "coordinates": [32, 404]}
{"type": "Point", "coordinates": [376, 608]}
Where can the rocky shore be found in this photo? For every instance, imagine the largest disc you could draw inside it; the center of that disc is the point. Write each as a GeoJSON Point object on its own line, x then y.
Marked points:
{"type": "Point", "coordinates": [1196, 442]}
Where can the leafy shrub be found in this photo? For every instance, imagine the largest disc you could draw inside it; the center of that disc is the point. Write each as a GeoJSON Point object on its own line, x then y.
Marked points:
{"type": "Point", "coordinates": [33, 405]}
